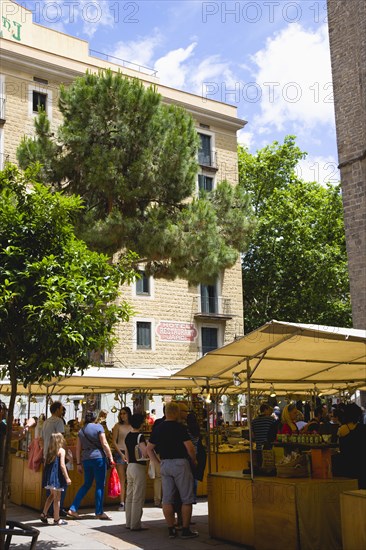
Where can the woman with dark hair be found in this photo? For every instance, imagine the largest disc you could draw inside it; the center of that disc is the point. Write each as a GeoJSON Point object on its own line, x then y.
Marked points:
{"type": "Point", "coordinates": [92, 451]}
{"type": "Point", "coordinates": [351, 461]}
{"type": "Point", "coordinates": [119, 432]}
{"type": "Point", "coordinates": [136, 474]}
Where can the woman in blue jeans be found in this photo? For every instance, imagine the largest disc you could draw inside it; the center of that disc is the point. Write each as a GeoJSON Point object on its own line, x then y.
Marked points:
{"type": "Point", "coordinates": [91, 451]}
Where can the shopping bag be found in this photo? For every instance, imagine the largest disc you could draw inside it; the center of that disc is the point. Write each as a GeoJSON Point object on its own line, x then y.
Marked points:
{"type": "Point", "coordinates": [151, 470]}
{"type": "Point", "coordinates": [114, 484]}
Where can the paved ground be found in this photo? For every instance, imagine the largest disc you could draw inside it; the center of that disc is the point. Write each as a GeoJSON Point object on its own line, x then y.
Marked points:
{"type": "Point", "coordinates": [89, 533]}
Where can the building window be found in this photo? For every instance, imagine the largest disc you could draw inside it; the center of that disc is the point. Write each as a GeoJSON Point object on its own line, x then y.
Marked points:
{"type": "Point", "coordinates": [204, 151]}
{"type": "Point", "coordinates": [41, 96]}
{"type": "Point", "coordinates": [209, 299]}
{"type": "Point", "coordinates": [143, 287]}
{"type": "Point", "coordinates": [205, 183]}
{"type": "Point", "coordinates": [143, 335]}
{"type": "Point", "coordinates": [39, 101]}
{"type": "Point", "coordinates": [209, 339]}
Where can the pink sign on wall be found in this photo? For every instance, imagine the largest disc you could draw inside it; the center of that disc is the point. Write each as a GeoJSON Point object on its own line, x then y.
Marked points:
{"type": "Point", "coordinates": [173, 331]}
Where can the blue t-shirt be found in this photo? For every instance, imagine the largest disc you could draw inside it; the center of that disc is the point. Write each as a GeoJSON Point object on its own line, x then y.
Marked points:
{"type": "Point", "coordinates": [90, 442]}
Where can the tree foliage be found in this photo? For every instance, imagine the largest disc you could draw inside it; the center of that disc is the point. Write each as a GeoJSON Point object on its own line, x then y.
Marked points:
{"type": "Point", "coordinates": [295, 268]}
{"type": "Point", "coordinates": [57, 298]}
{"type": "Point", "coordinates": [273, 167]}
{"type": "Point", "coordinates": [133, 161]}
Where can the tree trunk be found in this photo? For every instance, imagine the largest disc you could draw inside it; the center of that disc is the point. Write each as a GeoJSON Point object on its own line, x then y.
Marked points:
{"type": "Point", "coordinates": [6, 468]}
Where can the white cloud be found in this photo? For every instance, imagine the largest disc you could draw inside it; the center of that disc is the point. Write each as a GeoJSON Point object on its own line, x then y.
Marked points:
{"type": "Point", "coordinates": [320, 169]}
{"type": "Point", "coordinates": [212, 76]}
{"type": "Point", "coordinates": [95, 14]}
{"type": "Point", "coordinates": [139, 51]}
{"type": "Point", "coordinates": [172, 71]}
{"type": "Point", "coordinates": [92, 13]}
{"type": "Point", "coordinates": [245, 138]}
{"type": "Point", "coordinates": [294, 79]}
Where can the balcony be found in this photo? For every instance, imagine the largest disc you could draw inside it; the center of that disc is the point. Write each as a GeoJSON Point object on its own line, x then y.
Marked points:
{"type": "Point", "coordinates": [2, 110]}
{"type": "Point", "coordinates": [208, 160]}
{"type": "Point", "coordinates": [101, 358]}
{"type": "Point", "coordinates": [207, 308]}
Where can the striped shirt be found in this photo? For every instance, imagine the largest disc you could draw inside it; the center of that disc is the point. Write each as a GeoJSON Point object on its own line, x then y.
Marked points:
{"type": "Point", "coordinates": [261, 426]}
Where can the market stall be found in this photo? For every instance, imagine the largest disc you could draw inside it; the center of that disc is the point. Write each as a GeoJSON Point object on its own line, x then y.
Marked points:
{"type": "Point", "coordinates": [232, 455]}
{"type": "Point", "coordinates": [276, 513]}
{"type": "Point", "coordinates": [25, 482]}
{"type": "Point", "coordinates": [293, 358]}
{"type": "Point", "coordinates": [289, 357]}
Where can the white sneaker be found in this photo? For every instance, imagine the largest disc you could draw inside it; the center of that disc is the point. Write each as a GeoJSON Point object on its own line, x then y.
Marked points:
{"type": "Point", "coordinates": [122, 507]}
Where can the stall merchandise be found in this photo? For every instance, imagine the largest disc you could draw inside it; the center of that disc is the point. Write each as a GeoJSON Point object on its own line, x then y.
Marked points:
{"type": "Point", "coordinates": [288, 358]}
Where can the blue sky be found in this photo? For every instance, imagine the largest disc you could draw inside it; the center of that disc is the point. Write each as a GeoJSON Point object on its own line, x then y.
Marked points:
{"type": "Point", "coordinates": [270, 58]}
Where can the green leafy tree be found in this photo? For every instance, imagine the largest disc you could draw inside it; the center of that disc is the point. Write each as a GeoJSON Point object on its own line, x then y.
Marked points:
{"type": "Point", "coordinates": [295, 268]}
{"type": "Point", "coordinates": [272, 167]}
{"type": "Point", "coordinates": [133, 161]}
{"type": "Point", "coordinates": [58, 299]}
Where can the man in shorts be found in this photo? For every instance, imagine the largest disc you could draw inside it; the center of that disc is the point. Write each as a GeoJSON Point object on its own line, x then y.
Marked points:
{"type": "Point", "coordinates": [176, 451]}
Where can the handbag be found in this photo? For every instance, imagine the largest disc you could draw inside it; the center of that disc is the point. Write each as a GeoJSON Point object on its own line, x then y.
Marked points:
{"type": "Point", "coordinates": [114, 484]}
{"type": "Point", "coordinates": [151, 470]}
{"type": "Point", "coordinates": [139, 457]}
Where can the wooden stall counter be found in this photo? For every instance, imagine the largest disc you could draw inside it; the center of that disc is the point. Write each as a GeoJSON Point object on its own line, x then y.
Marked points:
{"type": "Point", "coordinates": [224, 462]}
{"type": "Point", "coordinates": [353, 514]}
{"type": "Point", "coordinates": [276, 513]}
{"type": "Point", "coordinates": [26, 486]}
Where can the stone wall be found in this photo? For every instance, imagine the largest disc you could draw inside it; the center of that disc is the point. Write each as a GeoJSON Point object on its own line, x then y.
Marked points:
{"type": "Point", "coordinates": [347, 32]}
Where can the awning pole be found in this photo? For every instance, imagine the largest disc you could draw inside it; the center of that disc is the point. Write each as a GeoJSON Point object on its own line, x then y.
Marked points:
{"type": "Point", "coordinates": [47, 398]}
{"type": "Point", "coordinates": [207, 405]}
{"type": "Point", "coordinates": [249, 417]}
{"type": "Point", "coordinates": [216, 429]}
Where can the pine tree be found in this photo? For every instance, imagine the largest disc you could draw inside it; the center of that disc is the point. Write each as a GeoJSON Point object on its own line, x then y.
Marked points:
{"type": "Point", "coordinates": [132, 159]}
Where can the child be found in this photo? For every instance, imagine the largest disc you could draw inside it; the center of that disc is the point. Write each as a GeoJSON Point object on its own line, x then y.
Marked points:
{"type": "Point", "coordinates": [55, 478]}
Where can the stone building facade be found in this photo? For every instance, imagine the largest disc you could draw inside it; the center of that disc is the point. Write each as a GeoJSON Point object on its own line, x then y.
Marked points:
{"type": "Point", "coordinates": [174, 323]}
{"type": "Point", "coordinates": [347, 33]}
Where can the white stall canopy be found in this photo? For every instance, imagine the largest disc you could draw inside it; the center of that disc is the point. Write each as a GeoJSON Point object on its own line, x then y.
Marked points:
{"type": "Point", "coordinates": [108, 380]}
{"type": "Point", "coordinates": [289, 357]}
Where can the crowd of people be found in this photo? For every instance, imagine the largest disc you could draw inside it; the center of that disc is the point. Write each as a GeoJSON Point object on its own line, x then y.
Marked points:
{"type": "Point", "coordinates": [174, 452]}
{"type": "Point", "coordinates": [345, 423]}
{"type": "Point", "coordinates": [175, 455]}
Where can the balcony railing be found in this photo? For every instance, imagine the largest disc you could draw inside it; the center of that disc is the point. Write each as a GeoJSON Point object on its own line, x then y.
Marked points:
{"type": "Point", "coordinates": [2, 110]}
{"type": "Point", "coordinates": [123, 62]}
{"type": "Point", "coordinates": [208, 159]}
{"type": "Point", "coordinates": [212, 307]}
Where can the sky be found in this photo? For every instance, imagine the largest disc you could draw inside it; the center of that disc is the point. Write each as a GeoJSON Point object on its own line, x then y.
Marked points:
{"type": "Point", "coordinates": [269, 58]}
